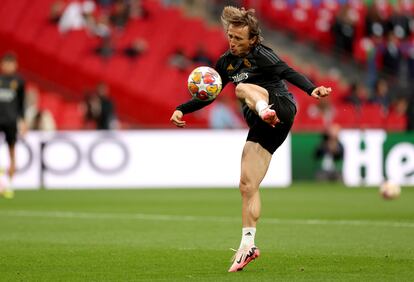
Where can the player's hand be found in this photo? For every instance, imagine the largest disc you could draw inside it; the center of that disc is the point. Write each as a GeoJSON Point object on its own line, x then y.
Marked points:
{"type": "Point", "coordinates": [22, 127]}
{"type": "Point", "coordinates": [176, 118]}
{"type": "Point", "coordinates": [321, 91]}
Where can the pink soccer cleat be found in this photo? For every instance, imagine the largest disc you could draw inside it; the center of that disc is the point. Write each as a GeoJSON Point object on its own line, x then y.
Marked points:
{"type": "Point", "coordinates": [243, 256]}
{"type": "Point", "coordinates": [269, 116]}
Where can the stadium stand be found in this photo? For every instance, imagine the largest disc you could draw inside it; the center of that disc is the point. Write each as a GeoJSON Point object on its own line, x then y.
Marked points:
{"type": "Point", "coordinates": [323, 24]}
{"type": "Point", "coordinates": [146, 89]}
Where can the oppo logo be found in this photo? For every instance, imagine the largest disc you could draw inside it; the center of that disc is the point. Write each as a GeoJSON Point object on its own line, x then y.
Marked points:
{"type": "Point", "coordinates": [61, 155]}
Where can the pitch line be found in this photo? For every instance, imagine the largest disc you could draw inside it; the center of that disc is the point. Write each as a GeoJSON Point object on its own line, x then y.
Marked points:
{"type": "Point", "coordinates": [160, 217]}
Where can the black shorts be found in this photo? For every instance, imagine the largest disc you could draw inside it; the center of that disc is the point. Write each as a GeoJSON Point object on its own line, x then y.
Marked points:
{"type": "Point", "coordinates": [261, 132]}
{"type": "Point", "coordinates": [10, 132]}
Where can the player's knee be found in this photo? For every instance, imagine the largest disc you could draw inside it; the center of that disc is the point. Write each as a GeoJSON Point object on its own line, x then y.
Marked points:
{"type": "Point", "coordinates": [241, 89]}
{"type": "Point", "coordinates": [246, 187]}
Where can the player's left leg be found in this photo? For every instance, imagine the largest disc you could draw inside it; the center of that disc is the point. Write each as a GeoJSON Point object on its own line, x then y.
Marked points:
{"type": "Point", "coordinates": [257, 99]}
{"type": "Point", "coordinates": [254, 165]}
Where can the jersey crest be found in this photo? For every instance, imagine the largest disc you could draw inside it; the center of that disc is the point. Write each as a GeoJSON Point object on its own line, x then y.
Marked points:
{"type": "Point", "coordinates": [247, 63]}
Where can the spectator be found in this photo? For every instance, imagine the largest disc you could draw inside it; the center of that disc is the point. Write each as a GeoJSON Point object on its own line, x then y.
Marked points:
{"type": "Point", "coordinates": [201, 58]}
{"type": "Point", "coordinates": [223, 116]}
{"type": "Point", "coordinates": [106, 118]}
{"type": "Point", "coordinates": [99, 109]}
{"type": "Point", "coordinates": [137, 10]}
{"type": "Point", "coordinates": [37, 119]}
{"type": "Point", "coordinates": [344, 30]}
{"type": "Point", "coordinates": [382, 95]}
{"type": "Point", "coordinates": [374, 22]}
{"type": "Point", "coordinates": [105, 4]}
{"type": "Point", "coordinates": [399, 22]}
{"type": "Point", "coordinates": [373, 53]}
{"type": "Point", "coordinates": [31, 105]}
{"type": "Point", "coordinates": [409, 55]}
{"type": "Point", "coordinates": [56, 11]}
{"type": "Point", "coordinates": [358, 95]}
{"type": "Point", "coordinates": [179, 60]}
{"type": "Point", "coordinates": [120, 14]}
{"type": "Point", "coordinates": [323, 109]}
{"type": "Point", "coordinates": [76, 16]}
{"type": "Point", "coordinates": [136, 48]}
{"type": "Point", "coordinates": [105, 49]}
{"type": "Point", "coordinates": [400, 105]}
{"type": "Point", "coordinates": [392, 57]}
{"type": "Point", "coordinates": [410, 112]}
{"type": "Point", "coordinates": [330, 153]}
{"type": "Point", "coordinates": [44, 121]}
{"type": "Point", "coordinates": [102, 27]}
{"type": "Point", "coordinates": [92, 110]}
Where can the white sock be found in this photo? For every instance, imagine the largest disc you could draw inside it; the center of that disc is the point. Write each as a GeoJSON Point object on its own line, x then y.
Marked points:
{"type": "Point", "coordinates": [248, 234]}
{"type": "Point", "coordinates": [261, 105]}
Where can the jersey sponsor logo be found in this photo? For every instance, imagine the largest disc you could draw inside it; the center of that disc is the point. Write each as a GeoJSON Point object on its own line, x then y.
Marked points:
{"type": "Point", "coordinates": [240, 77]}
{"type": "Point", "coordinates": [6, 95]}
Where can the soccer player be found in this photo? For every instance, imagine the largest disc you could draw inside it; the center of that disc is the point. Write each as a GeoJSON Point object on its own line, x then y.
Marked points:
{"type": "Point", "coordinates": [11, 113]}
{"type": "Point", "coordinates": [268, 108]}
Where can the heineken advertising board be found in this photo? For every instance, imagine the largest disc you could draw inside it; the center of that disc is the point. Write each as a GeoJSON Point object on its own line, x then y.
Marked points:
{"type": "Point", "coordinates": [370, 157]}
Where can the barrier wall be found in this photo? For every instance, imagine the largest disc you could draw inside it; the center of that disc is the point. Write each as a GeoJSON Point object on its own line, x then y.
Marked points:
{"type": "Point", "coordinates": [138, 159]}
{"type": "Point", "coordinates": [197, 159]}
{"type": "Point", "coordinates": [371, 156]}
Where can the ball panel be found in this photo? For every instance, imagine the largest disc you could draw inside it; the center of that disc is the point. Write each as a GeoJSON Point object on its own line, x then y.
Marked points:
{"type": "Point", "coordinates": [193, 88]}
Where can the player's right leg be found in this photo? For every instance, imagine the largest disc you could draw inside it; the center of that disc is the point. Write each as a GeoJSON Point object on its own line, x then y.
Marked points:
{"type": "Point", "coordinates": [257, 99]}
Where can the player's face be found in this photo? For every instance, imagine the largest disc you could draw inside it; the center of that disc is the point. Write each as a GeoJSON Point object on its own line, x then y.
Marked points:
{"type": "Point", "coordinates": [239, 41]}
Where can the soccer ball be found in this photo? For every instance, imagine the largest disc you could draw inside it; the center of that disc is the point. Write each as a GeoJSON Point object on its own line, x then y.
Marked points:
{"type": "Point", "coordinates": [204, 83]}
{"type": "Point", "coordinates": [390, 190]}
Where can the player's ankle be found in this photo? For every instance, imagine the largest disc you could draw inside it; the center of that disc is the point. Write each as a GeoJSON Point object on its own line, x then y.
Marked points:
{"type": "Point", "coordinates": [261, 105]}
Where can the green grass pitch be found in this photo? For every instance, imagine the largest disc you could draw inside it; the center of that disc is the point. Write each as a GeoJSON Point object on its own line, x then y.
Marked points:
{"type": "Point", "coordinates": [309, 232]}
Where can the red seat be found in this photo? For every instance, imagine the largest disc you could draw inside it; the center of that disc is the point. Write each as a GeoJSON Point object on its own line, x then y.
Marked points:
{"type": "Point", "coordinates": [70, 117]}
{"type": "Point", "coordinates": [372, 116]}
{"type": "Point", "coordinates": [346, 116]}
{"type": "Point", "coordinates": [395, 122]}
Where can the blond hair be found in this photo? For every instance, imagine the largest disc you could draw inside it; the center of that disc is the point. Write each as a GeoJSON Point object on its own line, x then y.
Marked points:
{"type": "Point", "coordinates": [240, 17]}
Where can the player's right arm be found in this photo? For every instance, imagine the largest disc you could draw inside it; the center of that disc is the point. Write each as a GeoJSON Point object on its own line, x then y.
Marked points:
{"type": "Point", "coordinates": [195, 104]}
{"type": "Point", "coordinates": [176, 118]}
{"type": "Point", "coordinates": [186, 108]}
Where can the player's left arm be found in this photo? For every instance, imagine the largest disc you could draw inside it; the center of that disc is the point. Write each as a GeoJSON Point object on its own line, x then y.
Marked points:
{"type": "Point", "coordinates": [286, 72]}
{"type": "Point", "coordinates": [321, 91]}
